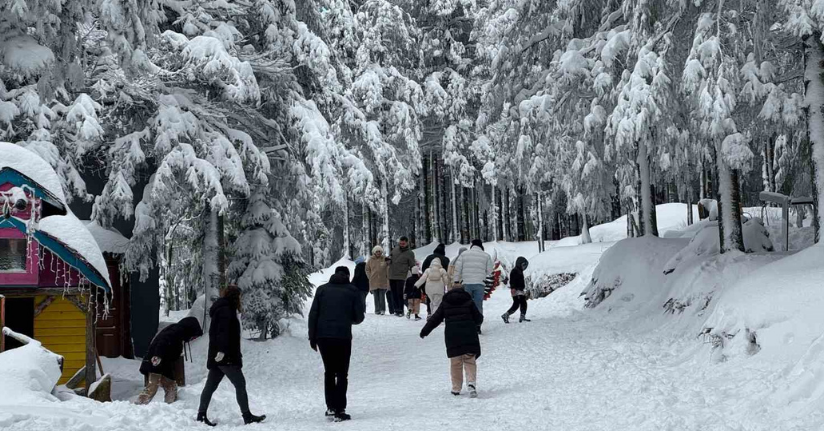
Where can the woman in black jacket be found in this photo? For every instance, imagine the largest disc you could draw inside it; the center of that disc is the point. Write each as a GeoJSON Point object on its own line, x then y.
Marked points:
{"type": "Point", "coordinates": [164, 351]}
{"type": "Point", "coordinates": [461, 336]}
{"type": "Point", "coordinates": [225, 358]}
{"type": "Point", "coordinates": [518, 287]}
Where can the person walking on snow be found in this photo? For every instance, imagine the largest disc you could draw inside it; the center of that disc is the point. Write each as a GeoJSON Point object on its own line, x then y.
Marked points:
{"type": "Point", "coordinates": [360, 280]}
{"type": "Point", "coordinates": [336, 307]}
{"type": "Point", "coordinates": [412, 293]}
{"type": "Point", "coordinates": [377, 270]}
{"type": "Point", "coordinates": [451, 269]}
{"type": "Point", "coordinates": [471, 269]}
{"type": "Point", "coordinates": [434, 279]}
{"type": "Point", "coordinates": [440, 253]}
{"type": "Point", "coordinates": [518, 286]}
{"type": "Point", "coordinates": [225, 358]}
{"type": "Point", "coordinates": [164, 351]}
{"type": "Point", "coordinates": [462, 344]}
{"type": "Point", "coordinates": [402, 260]}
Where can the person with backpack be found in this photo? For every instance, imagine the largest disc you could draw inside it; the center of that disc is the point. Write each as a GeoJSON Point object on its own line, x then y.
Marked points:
{"type": "Point", "coordinates": [402, 260]}
{"type": "Point", "coordinates": [377, 270]}
{"type": "Point", "coordinates": [463, 347]}
{"type": "Point", "coordinates": [336, 307]}
{"type": "Point", "coordinates": [164, 351]}
{"type": "Point", "coordinates": [413, 294]}
{"type": "Point", "coordinates": [517, 285]}
{"type": "Point", "coordinates": [225, 359]}
{"type": "Point", "coordinates": [450, 272]}
{"type": "Point", "coordinates": [434, 279]}
{"type": "Point", "coordinates": [471, 270]}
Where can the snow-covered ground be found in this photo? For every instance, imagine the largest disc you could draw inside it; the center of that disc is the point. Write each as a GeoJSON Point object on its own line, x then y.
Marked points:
{"type": "Point", "coordinates": [627, 364]}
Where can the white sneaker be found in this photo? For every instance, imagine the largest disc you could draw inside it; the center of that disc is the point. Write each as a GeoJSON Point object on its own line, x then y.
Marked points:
{"type": "Point", "coordinates": [473, 393]}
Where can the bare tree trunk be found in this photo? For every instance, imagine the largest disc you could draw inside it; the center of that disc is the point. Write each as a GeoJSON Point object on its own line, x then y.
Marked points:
{"type": "Point", "coordinates": [211, 271]}
{"type": "Point", "coordinates": [347, 250]}
{"type": "Point", "coordinates": [814, 85]}
{"type": "Point", "coordinates": [427, 224]}
{"type": "Point", "coordinates": [521, 228]}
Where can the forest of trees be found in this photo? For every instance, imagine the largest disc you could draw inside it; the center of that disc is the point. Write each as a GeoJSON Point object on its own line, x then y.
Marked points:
{"type": "Point", "coordinates": [257, 140]}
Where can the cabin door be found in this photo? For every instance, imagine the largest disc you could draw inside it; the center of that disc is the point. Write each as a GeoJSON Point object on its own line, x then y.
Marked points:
{"type": "Point", "coordinates": [19, 314]}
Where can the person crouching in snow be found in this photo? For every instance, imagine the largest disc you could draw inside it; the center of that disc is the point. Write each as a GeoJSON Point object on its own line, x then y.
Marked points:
{"type": "Point", "coordinates": [225, 359]}
{"type": "Point", "coordinates": [412, 293]}
{"type": "Point", "coordinates": [164, 351]}
{"type": "Point", "coordinates": [434, 279]}
{"type": "Point", "coordinates": [518, 287]}
{"type": "Point", "coordinates": [462, 344]}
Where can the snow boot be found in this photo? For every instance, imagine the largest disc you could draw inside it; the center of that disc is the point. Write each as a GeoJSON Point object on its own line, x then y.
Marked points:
{"type": "Point", "coordinates": [456, 393]}
{"type": "Point", "coordinates": [473, 393]}
{"type": "Point", "coordinates": [409, 314]}
{"type": "Point", "coordinates": [330, 413]}
{"type": "Point", "coordinates": [249, 418]}
{"type": "Point", "coordinates": [523, 319]}
{"type": "Point", "coordinates": [201, 417]}
{"type": "Point", "coordinates": [417, 317]}
{"type": "Point", "coordinates": [342, 416]}
{"type": "Point", "coordinates": [505, 316]}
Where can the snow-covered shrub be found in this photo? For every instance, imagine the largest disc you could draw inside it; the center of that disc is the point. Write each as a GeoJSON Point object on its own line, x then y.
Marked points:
{"type": "Point", "coordinates": [545, 284]}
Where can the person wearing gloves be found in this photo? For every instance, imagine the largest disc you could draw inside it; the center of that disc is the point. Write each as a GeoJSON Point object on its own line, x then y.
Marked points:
{"type": "Point", "coordinates": [335, 308]}
{"type": "Point", "coordinates": [471, 270]}
{"type": "Point", "coordinates": [518, 287]}
{"type": "Point", "coordinates": [164, 351]}
{"type": "Point", "coordinates": [225, 358]}
{"type": "Point", "coordinates": [434, 280]}
{"type": "Point", "coordinates": [377, 270]}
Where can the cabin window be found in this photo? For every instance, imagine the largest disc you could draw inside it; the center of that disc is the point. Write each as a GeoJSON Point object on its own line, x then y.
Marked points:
{"type": "Point", "coordinates": [13, 254]}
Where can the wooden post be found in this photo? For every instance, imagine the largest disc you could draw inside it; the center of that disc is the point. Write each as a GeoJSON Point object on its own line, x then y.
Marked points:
{"type": "Point", "coordinates": [91, 348]}
{"type": "Point", "coordinates": [2, 322]}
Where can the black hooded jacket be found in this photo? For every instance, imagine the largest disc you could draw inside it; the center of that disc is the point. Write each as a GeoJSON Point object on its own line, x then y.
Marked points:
{"type": "Point", "coordinates": [440, 253]}
{"type": "Point", "coordinates": [167, 346]}
{"type": "Point", "coordinates": [410, 290]}
{"type": "Point", "coordinates": [360, 280]}
{"type": "Point", "coordinates": [336, 307]}
{"type": "Point", "coordinates": [224, 334]}
{"type": "Point", "coordinates": [516, 277]}
{"type": "Point", "coordinates": [462, 319]}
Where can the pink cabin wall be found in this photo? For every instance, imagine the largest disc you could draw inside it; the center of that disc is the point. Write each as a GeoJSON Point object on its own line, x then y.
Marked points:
{"type": "Point", "coordinates": [49, 276]}
{"type": "Point", "coordinates": [28, 278]}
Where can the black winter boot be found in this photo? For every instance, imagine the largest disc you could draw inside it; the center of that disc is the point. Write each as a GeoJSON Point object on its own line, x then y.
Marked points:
{"type": "Point", "coordinates": [505, 316]}
{"type": "Point", "coordinates": [523, 319]}
{"type": "Point", "coordinates": [249, 418]}
{"type": "Point", "coordinates": [201, 417]}
{"type": "Point", "coordinates": [342, 416]}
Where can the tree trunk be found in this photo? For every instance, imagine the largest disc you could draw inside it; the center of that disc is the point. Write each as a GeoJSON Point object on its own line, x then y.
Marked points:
{"type": "Point", "coordinates": [499, 219]}
{"type": "Point", "coordinates": [442, 214]}
{"type": "Point", "coordinates": [384, 234]}
{"type": "Point", "coordinates": [427, 224]}
{"type": "Point", "coordinates": [521, 226]}
{"type": "Point", "coordinates": [814, 98]}
{"type": "Point", "coordinates": [494, 209]}
{"type": "Point", "coordinates": [464, 216]}
{"type": "Point", "coordinates": [347, 252]}
{"type": "Point", "coordinates": [646, 209]}
{"type": "Point", "coordinates": [586, 238]}
{"type": "Point", "coordinates": [211, 271]}
{"type": "Point", "coordinates": [729, 211]}
{"type": "Point", "coordinates": [366, 246]}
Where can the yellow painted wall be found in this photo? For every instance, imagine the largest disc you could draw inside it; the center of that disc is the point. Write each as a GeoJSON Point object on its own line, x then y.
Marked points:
{"type": "Point", "coordinates": [61, 327]}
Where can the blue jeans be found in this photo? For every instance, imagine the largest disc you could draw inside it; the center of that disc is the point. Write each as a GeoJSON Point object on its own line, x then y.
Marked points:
{"type": "Point", "coordinates": [477, 292]}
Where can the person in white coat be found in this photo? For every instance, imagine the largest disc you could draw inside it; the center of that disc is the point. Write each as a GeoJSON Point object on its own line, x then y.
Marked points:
{"type": "Point", "coordinates": [471, 269]}
{"type": "Point", "coordinates": [435, 279]}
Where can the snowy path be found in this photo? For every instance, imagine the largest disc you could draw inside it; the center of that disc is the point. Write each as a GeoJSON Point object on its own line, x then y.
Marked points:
{"type": "Point", "coordinates": [562, 372]}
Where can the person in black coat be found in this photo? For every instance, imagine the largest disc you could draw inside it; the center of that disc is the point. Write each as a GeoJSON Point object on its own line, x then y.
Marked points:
{"type": "Point", "coordinates": [413, 294]}
{"type": "Point", "coordinates": [360, 280]}
{"type": "Point", "coordinates": [463, 347]}
{"type": "Point", "coordinates": [159, 363]}
{"type": "Point", "coordinates": [440, 253]}
{"type": "Point", "coordinates": [517, 285]}
{"type": "Point", "coordinates": [225, 358]}
{"type": "Point", "coordinates": [336, 307]}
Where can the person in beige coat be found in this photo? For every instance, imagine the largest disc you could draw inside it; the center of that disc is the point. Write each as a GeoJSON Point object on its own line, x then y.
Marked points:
{"type": "Point", "coordinates": [435, 278]}
{"type": "Point", "coordinates": [377, 270]}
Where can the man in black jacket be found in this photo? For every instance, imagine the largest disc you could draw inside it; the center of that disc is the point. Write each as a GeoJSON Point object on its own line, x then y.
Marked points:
{"type": "Point", "coordinates": [164, 351]}
{"type": "Point", "coordinates": [461, 336]}
{"type": "Point", "coordinates": [518, 286]}
{"type": "Point", "coordinates": [336, 307]}
{"type": "Point", "coordinates": [225, 358]}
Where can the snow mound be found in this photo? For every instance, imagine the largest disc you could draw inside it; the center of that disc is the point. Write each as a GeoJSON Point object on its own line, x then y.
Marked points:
{"type": "Point", "coordinates": [108, 239]}
{"type": "Point", "coordinates": [672, 218]}
{"type": "Point", "coordinates": [69, 230]}
{"type": "Point", "coordinates": [33, 166]}
{"type": "Point", "coordinates": [705, 242]}
{"type": "Point", "coordinates": [27, 375]}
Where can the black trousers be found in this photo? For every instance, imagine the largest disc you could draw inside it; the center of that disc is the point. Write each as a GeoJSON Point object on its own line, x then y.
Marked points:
{"type": "Point", "coordinates": [397, 287]}
{"type": "Point", "coordinates": [336, 354]}
{"type": "Point", "coordinates": [235, 376]}
{"type": "Point", "coordinates": [518, 302]}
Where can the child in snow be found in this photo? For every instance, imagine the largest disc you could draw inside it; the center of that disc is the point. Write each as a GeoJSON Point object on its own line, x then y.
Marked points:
{"type": "Point", "coordinates": [435, 279]}
{"type": "Point", "coordinates": [412, 293]}
{"type": "Point", "coordinates": [164, 351]}
{"type": "Point", "coordinates": [518, 287]}
{"type": "Point", "coordinates": [461, 336]}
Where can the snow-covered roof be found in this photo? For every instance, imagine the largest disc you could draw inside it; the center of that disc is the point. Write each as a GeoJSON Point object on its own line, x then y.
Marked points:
{"type": "Point", "coordinates": [31, 165]}
{"type": "Point", "coordinates": [108, 239]}
{"type": "Point", "coordinates": [69, 230]}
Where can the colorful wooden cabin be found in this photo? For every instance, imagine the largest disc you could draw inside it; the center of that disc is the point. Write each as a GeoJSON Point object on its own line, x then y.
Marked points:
{"type": "Point", "coordinates": [52, 273]}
